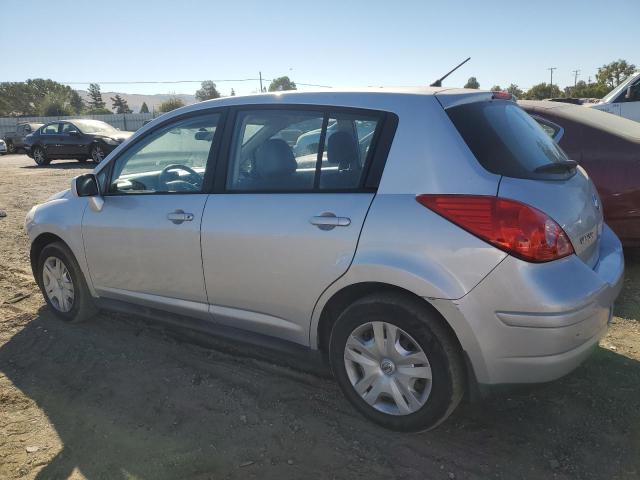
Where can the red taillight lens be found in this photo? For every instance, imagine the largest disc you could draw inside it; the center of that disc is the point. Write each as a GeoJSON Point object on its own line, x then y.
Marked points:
{"type": "Point", "coordinates": [514, 227]}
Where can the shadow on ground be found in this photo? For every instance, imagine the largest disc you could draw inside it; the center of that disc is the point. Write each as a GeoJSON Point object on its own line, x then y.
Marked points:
{"type": "Point", "coordinates": [130, 401]}
{"type": "Point", "coordinates": [63, 165]}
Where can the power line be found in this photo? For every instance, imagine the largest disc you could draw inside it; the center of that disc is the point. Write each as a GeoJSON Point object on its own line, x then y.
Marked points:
{"type": "Point", "coordinates": [138, 82]}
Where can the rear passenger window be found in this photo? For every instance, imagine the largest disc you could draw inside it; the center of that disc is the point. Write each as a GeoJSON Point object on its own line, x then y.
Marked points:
{"type": "Point", "coordinates": [290, 150]}
{"type": "Point", "coordinates": [346, 150]}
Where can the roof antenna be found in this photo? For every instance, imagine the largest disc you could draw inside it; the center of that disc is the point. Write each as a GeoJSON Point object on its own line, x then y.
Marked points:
{"type": "Point", "coordinates": [438, 83]}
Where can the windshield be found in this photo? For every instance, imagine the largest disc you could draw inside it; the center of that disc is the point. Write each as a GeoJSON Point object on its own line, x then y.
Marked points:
{"type": "Point", "coordinates": [504, 138]}
{"type": "Point", "coordinates": [94, 126]}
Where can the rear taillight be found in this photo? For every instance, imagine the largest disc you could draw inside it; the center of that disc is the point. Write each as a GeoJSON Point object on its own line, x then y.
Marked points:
{"type": "Point", "coordinates": [516, 228]}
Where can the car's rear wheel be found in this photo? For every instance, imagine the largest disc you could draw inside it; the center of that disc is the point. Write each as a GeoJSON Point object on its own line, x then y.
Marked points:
{"type": "Point", "coordinates": [10, 147]}
{"type": "Point", "coordinates": [97, 153]}
{"type": "Point", "coordinates": [396, 362]}
{"type": "Point", "coordinates": [63, 285]}
{"type": "Point", "coordinates": [40, 156]}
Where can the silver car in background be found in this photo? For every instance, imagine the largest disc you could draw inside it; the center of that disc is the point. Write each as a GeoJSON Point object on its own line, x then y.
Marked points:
{"type": "Point", "coordinates": [434, 240]}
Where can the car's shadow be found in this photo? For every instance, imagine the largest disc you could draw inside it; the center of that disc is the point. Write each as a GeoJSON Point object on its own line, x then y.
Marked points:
{"type": "Point", "coordinates": [63, 165]}
{"type": "Point", "coordinates": [128, 400]}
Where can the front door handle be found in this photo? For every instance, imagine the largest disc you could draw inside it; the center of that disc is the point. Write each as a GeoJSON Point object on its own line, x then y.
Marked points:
{"type": "Point", "coordinates": [329, 221]}
{"type": "Point", "coordinates": [179, 216]}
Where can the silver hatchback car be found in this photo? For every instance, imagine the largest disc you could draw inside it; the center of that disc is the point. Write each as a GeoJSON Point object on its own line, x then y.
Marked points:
{"type": "Point", "coordinates": [426, 241]}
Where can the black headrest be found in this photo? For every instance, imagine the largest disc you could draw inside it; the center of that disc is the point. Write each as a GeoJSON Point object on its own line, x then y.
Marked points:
{"type": "Point", "coordinates": [275, 158]}
{"type": "Point", "coordinates": [342, 149]}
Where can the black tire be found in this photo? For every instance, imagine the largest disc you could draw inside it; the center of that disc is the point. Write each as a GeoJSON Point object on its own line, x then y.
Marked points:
{"type": "Point", "coordinates": [95, 152]}
{"type": "Point", "coordinates": [40, 156]}
{"type": "Point", "coordinates": [10, 148]}
{"type": "Point", "coordinates": [426, 327]}
{"type": "Point", "coordinates": [83, 307]}
{"type": "Point", "coordinates": [83, 160]}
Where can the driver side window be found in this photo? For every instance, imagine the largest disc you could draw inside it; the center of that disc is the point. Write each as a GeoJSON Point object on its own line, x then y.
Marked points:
{"type": "Point", "coordinates": [172, 159]}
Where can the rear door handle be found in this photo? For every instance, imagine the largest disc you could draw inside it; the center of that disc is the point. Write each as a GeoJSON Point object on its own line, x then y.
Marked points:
{"type": "Point", "coordinates": [179, 216]}
{"type": "Point", "coordinates": [329, 221]}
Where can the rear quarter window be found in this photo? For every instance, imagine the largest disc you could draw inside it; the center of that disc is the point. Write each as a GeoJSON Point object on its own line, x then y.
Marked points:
{"type": "Point", "coordinates": [504, 138]}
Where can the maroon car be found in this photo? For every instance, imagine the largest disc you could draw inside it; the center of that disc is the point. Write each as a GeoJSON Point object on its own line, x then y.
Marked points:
{"type": "Point", "coordinates": [608, 147]}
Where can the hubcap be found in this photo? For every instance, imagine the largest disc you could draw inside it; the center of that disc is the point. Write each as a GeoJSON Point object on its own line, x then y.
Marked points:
{"type": "Point", "coordinates": [39, 154]}
{"type": "Point", "coordinates": [97, 154]}
{"type": "Point", "coordinates": [388, 368]}
{"type": "Point", "coordinates": [58, 284]}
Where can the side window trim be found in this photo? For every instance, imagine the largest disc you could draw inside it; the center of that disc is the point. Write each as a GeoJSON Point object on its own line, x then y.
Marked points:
{"type": "Point", "coordinates": [375, 162]}
{"type": "Point", "coordinates": [212, 159]}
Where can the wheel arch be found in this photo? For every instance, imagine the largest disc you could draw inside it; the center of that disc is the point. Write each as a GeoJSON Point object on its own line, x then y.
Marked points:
{"type": "Point", "coordinates": [38, 244]}
{"type": "Point", "coordinates": [348, 294]}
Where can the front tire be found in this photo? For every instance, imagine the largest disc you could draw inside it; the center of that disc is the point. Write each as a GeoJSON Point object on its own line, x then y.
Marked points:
{"type": "Point", "coordinates": [97, 153]}
{"type": "Point", "coordinates": [396, 362]}
{"type": "Point", "coordinates": [40, 156]}
{"type": "Point", "coordinates": [63, 285]}
{"type": "Point", "coordinates": [11, 148]}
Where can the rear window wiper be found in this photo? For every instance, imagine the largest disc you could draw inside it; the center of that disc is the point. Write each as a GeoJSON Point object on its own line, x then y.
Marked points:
{"type": "Point", "coordinates": [557, 167]}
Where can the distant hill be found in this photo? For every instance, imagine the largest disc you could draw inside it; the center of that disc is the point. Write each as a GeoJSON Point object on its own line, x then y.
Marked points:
{"type": "Point", "coordinates": [135, 100]}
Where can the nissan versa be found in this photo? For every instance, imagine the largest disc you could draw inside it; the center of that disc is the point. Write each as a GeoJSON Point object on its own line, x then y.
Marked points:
{"type": "Point", "coordinates": [430, 241]}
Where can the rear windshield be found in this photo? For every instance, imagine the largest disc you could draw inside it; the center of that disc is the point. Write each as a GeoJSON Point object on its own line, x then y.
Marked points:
{"type": "Point", "coordinates": [504, 138]}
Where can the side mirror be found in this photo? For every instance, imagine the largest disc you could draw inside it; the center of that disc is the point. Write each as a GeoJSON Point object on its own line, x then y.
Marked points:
{"type": "Point", "coordinates": [87, 186]}
{"type": "Point", "coordinates": [204, 135]}
{"type": "Point", "coordinates": [75, 133]}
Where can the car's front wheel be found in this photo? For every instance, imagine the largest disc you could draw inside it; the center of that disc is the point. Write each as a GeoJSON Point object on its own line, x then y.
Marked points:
{"type": "Point", "coordinates": [396, 362]}
{"type": "Point", "coordinates": [40, 156]}
{"type": "Point", "coordinates": [11, 148]}
{"type": "Point", "coordinates": [97, 153]}
{"type": "Point", "coordinates": [63, 285]}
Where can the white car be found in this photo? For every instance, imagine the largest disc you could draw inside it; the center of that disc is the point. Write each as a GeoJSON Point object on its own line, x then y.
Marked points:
{"type": "Point", "coordinates": [3, 147]}
{"type": "Point", "coordinates": [624, 100]}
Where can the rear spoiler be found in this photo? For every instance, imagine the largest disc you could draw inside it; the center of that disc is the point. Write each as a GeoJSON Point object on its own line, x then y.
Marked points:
{"type": "Point", "coordinates": [459, 96]}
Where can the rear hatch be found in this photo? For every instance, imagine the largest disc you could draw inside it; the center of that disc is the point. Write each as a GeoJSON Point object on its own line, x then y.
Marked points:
{"type": "Point", "coordinates": [535, 171]}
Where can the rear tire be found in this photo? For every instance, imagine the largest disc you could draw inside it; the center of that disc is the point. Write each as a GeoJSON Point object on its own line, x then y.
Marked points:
{"type": "Point", "coordinates": [40, 156]}
{"type": "Point", "coordinates": [63, 285]}
{"type": "Point", "coordinates": [410, 384]}
{"type": "Point", "coordinates": [10, 147]}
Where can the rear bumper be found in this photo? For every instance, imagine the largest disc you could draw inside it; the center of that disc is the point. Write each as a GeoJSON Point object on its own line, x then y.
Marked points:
{"type": "Point", "coordinates": [530, 323]}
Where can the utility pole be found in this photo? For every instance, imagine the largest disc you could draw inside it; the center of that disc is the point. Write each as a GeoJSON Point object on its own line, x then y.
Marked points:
{"type": "Point", "coordinates": [575, 77]}
{"type": "Point", "coordinates": [551, 69]}
{"type": "Point", "coordinates": [261, 82]}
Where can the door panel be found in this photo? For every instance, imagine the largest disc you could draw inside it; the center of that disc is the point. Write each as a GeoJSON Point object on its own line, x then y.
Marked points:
{"type": "Point", "coordinates": [135, 251]}
{"type": "Point", "coordinates": [266, 264]}
{"type": "Point", "coordinates": [144, 245]}
{"type": "Point", "coordinates": [631, 110]}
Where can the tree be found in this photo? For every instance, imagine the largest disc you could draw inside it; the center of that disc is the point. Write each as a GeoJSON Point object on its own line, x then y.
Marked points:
{"type": "Point", "coordinates": [76, 102]}
{"type": "Point", "coordinates": [472, 83]}
{"type": "Point", "coordinates": [514, 90]}
{"type": "Point", "coordinates": [171, 104]}
{"type": "Point", "coordinates": [614, 73]}
{"type": "Point", "coordinates": [281, 84]}
{"type": "Point", "coordinates": [542, 91]}
{"type": "Point", "coordinates": [207, 91]}
{"type": "Point", "coordinates": [587, 90]}
{"type": "Point", "coordinates": [56, 104]}
{"type": "Point", "coordinates": [144, 108]}
{"type": "Point", "coordinates": [32, 96]}
{"type": "Point", "coordinates": [120, 104]}
{"type": "Point", "coordinates": [95, 98]}
{"type": "Point", "coordinates": [233, 92]}
{"type": "Point", "coordinates": [496, 88]}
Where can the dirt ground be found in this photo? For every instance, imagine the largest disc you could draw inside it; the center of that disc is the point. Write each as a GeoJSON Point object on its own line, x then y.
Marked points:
{"type": "Point", "coordinates": [123, 398]}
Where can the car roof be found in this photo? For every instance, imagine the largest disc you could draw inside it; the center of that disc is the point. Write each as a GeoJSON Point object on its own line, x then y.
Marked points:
{"type": "Point", "coordinates": [585, 115]}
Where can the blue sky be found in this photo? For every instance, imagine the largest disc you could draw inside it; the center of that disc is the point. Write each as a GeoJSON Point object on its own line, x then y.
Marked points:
{"type": "Point", "coordinates": [335, 43]}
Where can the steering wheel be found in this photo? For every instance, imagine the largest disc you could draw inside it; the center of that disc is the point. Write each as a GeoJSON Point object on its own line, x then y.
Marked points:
{"type": "Point", "coordinates": [180, 184]}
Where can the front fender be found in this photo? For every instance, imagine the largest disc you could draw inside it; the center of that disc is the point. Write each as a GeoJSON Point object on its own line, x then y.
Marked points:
{"type": "Point", "coordinates": [61, 217]}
